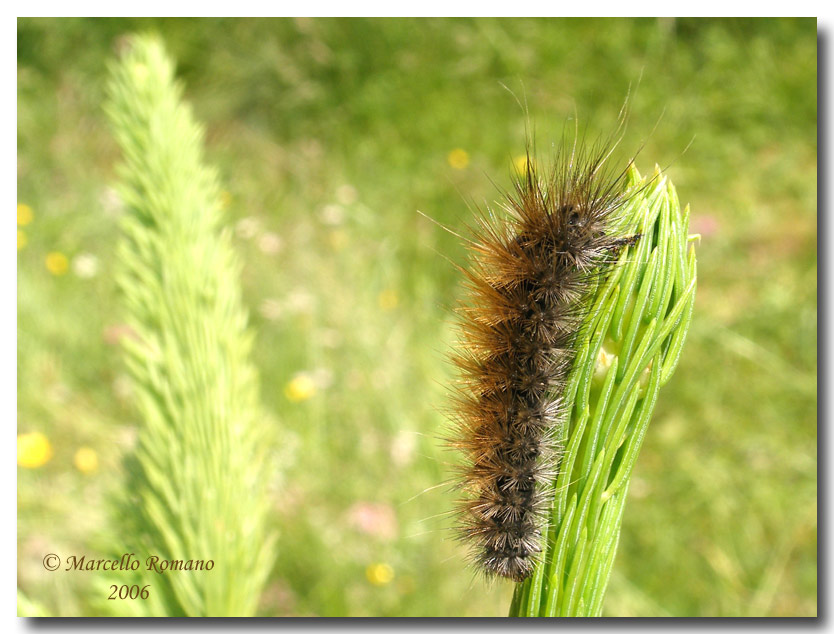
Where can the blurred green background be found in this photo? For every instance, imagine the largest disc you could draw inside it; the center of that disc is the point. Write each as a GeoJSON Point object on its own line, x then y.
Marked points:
{"type": "Point", "coordinates": [329, 135]}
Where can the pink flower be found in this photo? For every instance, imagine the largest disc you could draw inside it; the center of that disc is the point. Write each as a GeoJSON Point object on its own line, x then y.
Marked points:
{"type": "Point", "coordinates": [377, 520]}
{"type": "Point", "coordinates": [705, 225]}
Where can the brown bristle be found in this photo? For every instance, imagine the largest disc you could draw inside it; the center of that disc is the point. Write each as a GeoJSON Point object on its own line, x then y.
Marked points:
{"type": "Point", "coordinates": [528, 294]}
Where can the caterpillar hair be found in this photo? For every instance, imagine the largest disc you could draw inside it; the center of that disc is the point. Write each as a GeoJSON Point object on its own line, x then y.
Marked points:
{"type": "Point", "coordinates": [532, 272]}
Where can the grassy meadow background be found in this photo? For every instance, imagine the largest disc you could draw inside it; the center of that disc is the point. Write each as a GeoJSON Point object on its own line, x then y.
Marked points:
{"type": "Point", "coordinates": [329, 135]}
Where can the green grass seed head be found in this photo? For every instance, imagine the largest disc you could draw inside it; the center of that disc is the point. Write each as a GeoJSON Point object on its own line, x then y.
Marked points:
{"type": "Point", "coordinates": [635, 327]}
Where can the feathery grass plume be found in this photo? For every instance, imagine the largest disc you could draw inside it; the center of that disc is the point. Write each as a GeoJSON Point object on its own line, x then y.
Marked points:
{"type": "Point", "coordinates": [197, 484]}
{"type": "Point", "coordinates": [628, 349]}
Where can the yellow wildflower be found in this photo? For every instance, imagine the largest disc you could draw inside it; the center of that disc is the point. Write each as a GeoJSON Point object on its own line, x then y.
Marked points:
{"type": "Point", "coordinates": [57, 263]}
{"type": "Point", "coordinates": [21, 239]}
{"type": "Point", "coordinates": [388, 299]}
{"type": "Point", "coordinates": [458, 158]}
{"type": "Point", "coordinates": [379, 574]}
{"type": "Point", "coordinates": [225, 199]}
{"type": "Point", "coordinates": [33, 450]}
{"type": "Point", "coordinates": [520, 163]}
{"type": "Point", "coordinates": [24, 214]}
{"type": "Point", "coordinates": [86, 460]}
{"type": "Point", "coordinates": [300, 388]}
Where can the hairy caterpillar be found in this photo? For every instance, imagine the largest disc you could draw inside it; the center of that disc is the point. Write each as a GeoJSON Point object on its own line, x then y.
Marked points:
{"type": "Point", "coordinates": [528, 289]}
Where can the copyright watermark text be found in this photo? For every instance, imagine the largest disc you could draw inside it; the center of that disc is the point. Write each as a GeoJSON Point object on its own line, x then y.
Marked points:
{"type": "Point", "coordinates": [128, 561]}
